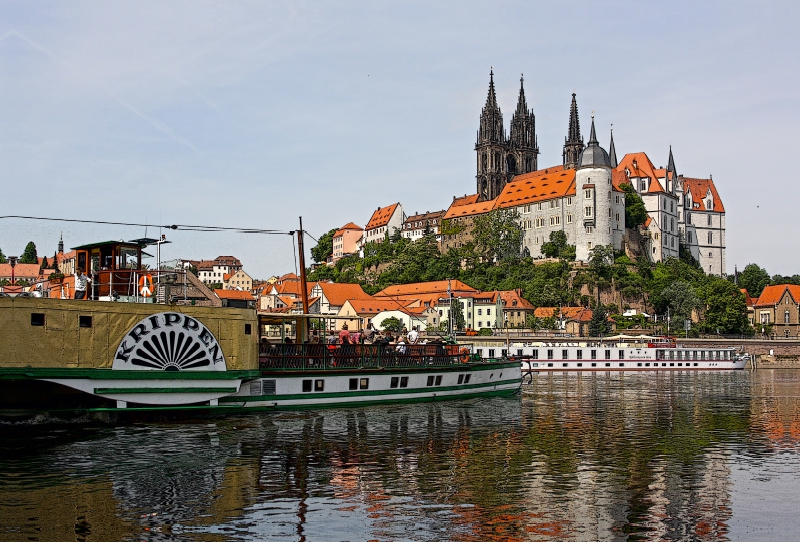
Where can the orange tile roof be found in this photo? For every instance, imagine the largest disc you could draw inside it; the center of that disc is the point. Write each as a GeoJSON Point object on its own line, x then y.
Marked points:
{"type": "Point", "coordinates": [773, 294]}
{"type": "Point", "coordinates": [566, 312]}
{"type": "Point", "coordinates": [27, 271]}
{"type": "Point", "coordinates": [545, 184]}
{"type": "Point", "coordinates": [433, 287]}
{"type": "Point", "coordinates": [226, 276]}
{"type": "Point", "coordinates": [747, 299]}
{"type": "Point", "coordinates": [348, 226]}
{"type": "Point", "coordinates": [381, 217]}
{"type": "Point", "coordinates": [512, 299]}
{"type": "Point", "coordinates": [470, 209]}
{"type": "Point", "coordinates": [643, 168]}
{"type": "Point", "coordinates": [699, 188]}
{"type": "Point", "coordinates": [338, 293]}
{"type": "Point", "coordinates": [234, 294]}
{"type": "Point", "coordinates": [464, 200]}
{"type": "Point", "coordinates": [374, 306]}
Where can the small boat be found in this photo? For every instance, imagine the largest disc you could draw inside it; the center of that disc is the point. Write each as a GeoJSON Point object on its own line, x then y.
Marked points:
{"type": "Point", "coordinates": [620, 353]}
{"type": "Point", "coordinates": [121, 352]}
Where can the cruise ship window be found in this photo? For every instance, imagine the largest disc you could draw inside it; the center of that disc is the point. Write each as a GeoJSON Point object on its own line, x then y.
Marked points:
{"type": "Point", "coordinates": [353, 383]}
{"type": "Point", "coordinates": [608, 354]}
{"type": "Point", "coordinates": [535, 353]}
{"type": "Point", "coordinates": [319, 385]}
{"type": "Point", "coordinates": [594, 354]}
{"type": "Point", "coordinates": [565, 354]}
{"type": "Point", "coordinates": [404, 381]}
{"type": "Point", "coordinates": [549, 354]}
{"type": "Point", "coordinates": [622, 354]}
{"type": "Point", "coordinates": [579, 354]}
{"type": "Point", "coordinates": [395, 381]}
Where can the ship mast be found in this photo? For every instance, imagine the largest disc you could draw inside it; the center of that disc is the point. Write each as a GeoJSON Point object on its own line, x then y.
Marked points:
{"type": "Point", "coordinates": [302, 334]}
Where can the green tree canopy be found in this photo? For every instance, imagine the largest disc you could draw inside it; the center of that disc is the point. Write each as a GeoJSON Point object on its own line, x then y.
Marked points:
{"type": "Point", "coordinates": [324, 247]}
{"type": "Point", "coordinates": [29, 255]}
{"type": "Point", "coordinates": [601, 258]}
{"type": "Point", "coordinates": [392, 324]}
{"type": "Point", "coordinates": [726, 311]}
{"type": "Point", "coordinates": [599, 324]}
{"type": "Point", "coordinates": [754, 279]}
{"type": "Point", "coordinates": [3, 257]}
{"type": "Point", "coordinates": [635, 212]}
{"type": "Point", "coordinates": [681, 299]}
{"type": "Point", "coordinates": [557, 247]}
{"type": "Point", "coordinates": [498, 235]}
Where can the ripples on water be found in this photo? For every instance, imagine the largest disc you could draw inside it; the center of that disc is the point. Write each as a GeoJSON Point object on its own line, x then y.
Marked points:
{"type": "Point", "coordinates": [701, 456]}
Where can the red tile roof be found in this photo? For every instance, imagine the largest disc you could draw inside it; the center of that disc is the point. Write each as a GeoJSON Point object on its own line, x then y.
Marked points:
{"type": "Point", "coordinates": [567, 312]}
{"type": "Point", "coordinates": [771, 295]}
{"type": "Point", "coordinates": [699, 188]}
{"type": "Point", "coordinates": [27, 271]}
{"type": "Point", "coordinates": [338, 293]}
{"type": "Point", "coordinates": [542, 185]}
{"type": "Point", "coordinates": [348, 226]}
{"type": "Point", "coordinates": [234, 294]}
{"type": "Point", "coordinates": [470, 209]}
{"type": "Point", "coordinates": [374, 306]}
{"type": "Point", "coordinates": [640, 166]}
{"type": "Point", "coordinates": [747, 299]}
{"type": "Point", "coordinates": [433, 287]}
{"type": "Point", "coordinates": [464, 200]}
{"type": "Point", "coordinates": [381, 217]}
{"type": "Point", "coordinates": [512, 299]}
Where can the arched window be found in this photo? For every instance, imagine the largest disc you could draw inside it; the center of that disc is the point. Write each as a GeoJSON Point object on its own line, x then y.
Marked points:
{"type": "Point", "coordinates": [710, 238]}
{"type": "Point", "coordinates": [511, 164]}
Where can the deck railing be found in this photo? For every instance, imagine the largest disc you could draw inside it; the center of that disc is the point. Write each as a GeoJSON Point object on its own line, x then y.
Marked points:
{"type": "Point", "coordinates": [292, 357]}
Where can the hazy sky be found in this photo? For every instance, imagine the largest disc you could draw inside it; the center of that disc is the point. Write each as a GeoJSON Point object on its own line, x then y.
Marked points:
{"type": "Point", "coordinates": [254, 113]}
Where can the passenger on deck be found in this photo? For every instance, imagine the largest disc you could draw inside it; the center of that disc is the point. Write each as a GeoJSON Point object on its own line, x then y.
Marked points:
{"type": "Point", "coordinates": [265, 346]}
{"type": "Point", "coordinates": [369, 334]}
{"type": "Point", "coordinates": [344, 335]}
{"type": "Point", "coordinates": [401, 345]}
{"type": "Point", "coordinates": [332, 337]}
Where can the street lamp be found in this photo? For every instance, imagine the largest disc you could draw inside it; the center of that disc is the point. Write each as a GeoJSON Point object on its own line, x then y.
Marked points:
{"type": "Point", "coordinates": [13, 261]}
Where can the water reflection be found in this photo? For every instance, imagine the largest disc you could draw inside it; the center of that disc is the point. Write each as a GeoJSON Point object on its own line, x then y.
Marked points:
{"type": "Point", "coordinates": [576, 457]}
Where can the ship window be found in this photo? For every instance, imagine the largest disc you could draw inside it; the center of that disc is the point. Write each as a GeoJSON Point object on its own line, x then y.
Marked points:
{"type": "Point", "coordinates": [622, 365]}
{"type": "Point", "coordinates": [395, 381]}
{"type": "Point", "coordinates": [564, 354]}
{"type": "Point", "coordinates": [608, 365]}
{"type": "Point", "coordinates": [306, 386]}
{"type": "Point", "coordinates": [491, 352]}
{"type": "Point", "coordinates": [353, 383]}
{"type": "Point", "coordinates": [647, 365]}
{"type": "Point", "coordinates": [466, 379]}
{"type": "Point", "coordinates": [639, 364]}
{"type": "Point", "coordinates": [460, 379]}
{"type": "Point", "coordinates": [563, 364]}
{"type": "Point", "coordinates": [622, 354]}
{"type": "Point", "coordinates": [404, 381]}
{"type": "Point", "coordinates": [695, 364]}
{"type": "Point", "coordinates": [608, 354]}
{"type": "Point", "coordinates": [268, 387]}
{"type": "Point", "coordinates": [430, 380]}
{"type": "Point", "coordinates": [579, 354]}
{"type": "Point", "coordinates": [519, 352]}
{"type": "Point", "coordinates": [549, 364]}
{"type": "Point", "coordinates": [549, 354]}
{"type": "Point", "coordinates": [503, 353]}
{"type": "Point", "coordinates": [535, 353]}
{"type": "Point", "coordinates": [364, 383]}
{"type": "Point", "coordinates": [438, 380]}
{"type": "Point", "coordinates": [248, 329]}
{"type": "Point", "coordinates": [479, 351]}
{"type": "Point", "coordinates": [319, 385]}
{"type": "Point", "coordinates": [594, 365]}
{"type": "Point", "coordinates": [663, 364]}
{"type": "Point", "coordinates": [37, 319]}
{"type": "Point", "coordinates": [680, 364]}
{"type": "Point", "coordinates": [85, 321]}
{"type": "Point", "coordinates": [580, 365]}
{"type": "Point", "coordinates": [594, 354]}
{"type": "Point", "coordinates": [672, 365]}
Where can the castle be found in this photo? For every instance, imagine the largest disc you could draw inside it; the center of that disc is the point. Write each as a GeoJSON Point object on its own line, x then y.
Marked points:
{"type": "Point", "coordinates": [583, 196]}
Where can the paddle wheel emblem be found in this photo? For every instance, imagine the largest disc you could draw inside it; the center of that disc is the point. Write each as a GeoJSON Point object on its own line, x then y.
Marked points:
{"type": "Point", "coordinates": [169, 341]}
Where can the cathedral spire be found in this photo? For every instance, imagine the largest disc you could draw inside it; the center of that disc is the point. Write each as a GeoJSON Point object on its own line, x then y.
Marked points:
{"type": "Point", "coordinates": [522, 105]}
{"type": "Point", "coordinates": [573, 143]}
{"type": "Point", "coordinates": [612, 152]}
{"type": "Point", "coordinates": [671, 163]}
{"type": "Point", "coordinates": [491, 147]}
{"type": "Point", "coordinates": [491, 98]}
{"type": "Point", "coordinates": [61, 244]}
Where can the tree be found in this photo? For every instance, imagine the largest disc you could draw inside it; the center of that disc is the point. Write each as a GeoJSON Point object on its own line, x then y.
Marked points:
{"type": "Point", "coordinates": [753, 279]}
{"type": "Point", "coordinates": [532, 322]}
{"type": "Point", "coordinates": [557, 247]}
{"type": "Point", "coordinates": [726, 311]}
{"type": "Point", "coordinates": [498, 235]}
{"type": "Point", "coordinates": [635, 211]}
{"type": "Point", "coordinates": [598, 325]}
{"type": "Point", "coordinates": [29, 255]}
{"type": "Point", "coordinates": [392, 324]}
{"type": "Point", "coordinates": [324, 247]}
{"type": "Point", "coordinates": [681, 300]}
{"type": "Point", "coordinates": [45, 264]}
{"type": "Point", "coordinates": [54, 265]}
{"type": "Point", "coordinates": [3, 257]}
{"type": "Point", "coordinates": [458, 315]}
{"type": "Point", "coordinates": [601, 258]}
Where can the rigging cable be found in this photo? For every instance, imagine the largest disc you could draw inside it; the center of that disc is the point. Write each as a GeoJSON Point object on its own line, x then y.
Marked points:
{"type": "Point", "coordinates": [183, 227]}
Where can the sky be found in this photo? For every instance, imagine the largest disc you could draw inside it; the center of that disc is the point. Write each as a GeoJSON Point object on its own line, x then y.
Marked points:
{"type": "Point", "coordinates": [252, 114]}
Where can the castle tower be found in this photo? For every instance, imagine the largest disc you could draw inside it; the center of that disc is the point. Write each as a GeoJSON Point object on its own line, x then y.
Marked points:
{"type": "Point", "coordinates": [598, 209]}
{"type": "Point", "coordinates": [523, 147]}
{"type": "Point", "coordinates": [491, 148]}
{"type": "Point", "coordinates": [573, 143]}
{"type": "Point", "coordinates": [61, 244]}
{"type": "Point", "coordinates": [612, 151]}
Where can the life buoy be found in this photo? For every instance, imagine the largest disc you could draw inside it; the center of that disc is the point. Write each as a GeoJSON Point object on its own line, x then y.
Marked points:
{"type": "Point", "coordinates": [146, 285]}
{"type": "Point", "coordinates": [463, 355]}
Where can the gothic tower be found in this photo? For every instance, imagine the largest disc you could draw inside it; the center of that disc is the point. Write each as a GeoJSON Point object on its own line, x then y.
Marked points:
{"type": "Point", "coordinates": [491, 148]}
{"type": "Point", "coordinates": [573, 143]}
{"type": "Point", "coordinates": [523, 146]}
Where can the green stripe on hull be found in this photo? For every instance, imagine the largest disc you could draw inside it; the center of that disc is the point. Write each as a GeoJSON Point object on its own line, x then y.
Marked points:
{"type": "Point", "coordinates": [112, 391]}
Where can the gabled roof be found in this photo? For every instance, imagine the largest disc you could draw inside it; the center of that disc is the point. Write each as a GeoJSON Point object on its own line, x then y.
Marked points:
{"type": "Point", "coordinates": [747, 299]}
{"type": "Point", "coordinates": [464, 200]}
{"type": "Point", "coordinates": [25, 271]}
{"type": "Point", "coordinates": [234, 294]}
{"type": "Point", "coordinates": [348, 226]}
{"type": "Point", "coordinates": [512, 299]}
{"type": "Point", "coordinates": [771, 295]}
{"type": "Point", "coordinates": [566, 312]}
{"type": "Point", "coordinates": [422, 217]}
{"type": "Point", "coordinates": [433, 287]}
{"type": "Point", "coordinates": [699, 188]}
{"type": "Point", "coordinates": [640, 166]}
{"type": "Point", "coordinates": [338, 293]}
{"type": "Point", "coordinates": [470, 209]}
{"type": "Point", "coordinates": [381, 217]}
{"type": "Point", "coordinates": [227, 260]}
{"type": "Point", "coordinates": [545, 184]}
{"type": "Point", "coordinates": [226, 276]}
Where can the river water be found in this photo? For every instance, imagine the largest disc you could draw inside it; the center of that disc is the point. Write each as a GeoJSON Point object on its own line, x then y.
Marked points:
{"type": "Point", "coordinates": [669, 456]}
